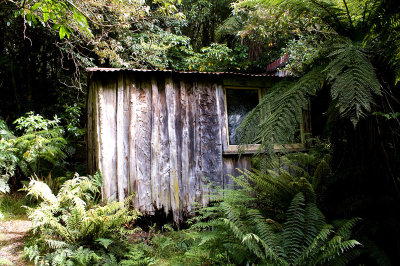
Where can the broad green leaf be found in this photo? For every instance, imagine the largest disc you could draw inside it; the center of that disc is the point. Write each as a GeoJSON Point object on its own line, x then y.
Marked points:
{"type": "Point", "coordinates": [36, 6]}
{"type": "Point", "coordinates": [45, 17]}
{"type": "Point", "coordinates": [56, 26]}
{"type": "Point", "coordinates": [63, 31]}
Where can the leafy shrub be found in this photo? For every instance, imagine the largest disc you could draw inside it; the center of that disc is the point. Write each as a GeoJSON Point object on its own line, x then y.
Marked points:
{"type": "Point", "coordinates": [69, 228]}
{"type": "Point", "coordinates": [8, 158]}
{"type": "Point", "coordinates": [37, 151]}
{"type": "Point", "coordinates": [41, 148]}
{"type": "Point", "coordinates": [72, 117]}
{"type": "Point", "coordinates": [215, 57]}
{"type": "Point", "coordinates": [40, 143]}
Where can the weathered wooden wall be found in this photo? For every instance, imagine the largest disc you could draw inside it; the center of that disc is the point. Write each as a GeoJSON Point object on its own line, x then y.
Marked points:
{"type": "Point", "coordinates": [159, 135]}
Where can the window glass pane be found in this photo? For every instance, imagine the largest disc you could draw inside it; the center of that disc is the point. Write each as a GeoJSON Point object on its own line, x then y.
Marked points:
{"type": "Point", "coordinates": [239, 103]}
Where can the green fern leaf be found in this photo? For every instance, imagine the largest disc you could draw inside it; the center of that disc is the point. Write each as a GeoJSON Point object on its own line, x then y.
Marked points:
{"type": "Point", "coordinates": [354, 80]}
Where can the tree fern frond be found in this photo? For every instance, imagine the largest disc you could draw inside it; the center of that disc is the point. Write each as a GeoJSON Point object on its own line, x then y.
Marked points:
{"type": "Point", "coordinates": [331, 13]}
{"type": "Point", "coordinates": [252, 241]}
{"type": "Point", "coordinates": [314, 247]}
{"type": "Point", "coordinates": [84, 256]}
{"type": "Point", "coordinates": [277, 116]}
{"type": "Point", "coordinates": [56, 244]}
{"type": "Point", "coordinates": [269, 238]}
{"type": "Point", "coordinates": [41, 190]}
{"type": "Point", "coordinates": [231, 25]}
{"type": "Point", "coordinates": [344, 230]}
{"type": "Point", "coordinates": [233, 220]}
{"type": "Point", "coordinates": [336, 248]}
{"type": "Point", "coordinates": [314, 222]}
{"type": "Point", "coordinates": [354, 81]}
{"type": "Point", "coordinates": [293, 233]}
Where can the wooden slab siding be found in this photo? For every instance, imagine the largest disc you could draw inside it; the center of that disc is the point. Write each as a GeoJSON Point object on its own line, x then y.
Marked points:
{"type": "Point", "coordinates": [161, 136]}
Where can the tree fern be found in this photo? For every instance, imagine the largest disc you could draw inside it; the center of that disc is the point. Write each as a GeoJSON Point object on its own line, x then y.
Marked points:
{"type": "Point", "coordinates": [383, 33]}
{"type": "Point", "coordinates": [344, 63]}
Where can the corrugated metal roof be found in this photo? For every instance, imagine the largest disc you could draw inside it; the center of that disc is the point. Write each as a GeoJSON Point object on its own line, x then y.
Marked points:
{"type": "Point", "coordinates": [280, 62]}
{"type": "Point", "coordinates": [99, 69]}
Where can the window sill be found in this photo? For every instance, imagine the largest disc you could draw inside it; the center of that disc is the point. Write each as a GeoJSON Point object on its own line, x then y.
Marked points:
{"type": "Point", "coordinates": [254, 148]}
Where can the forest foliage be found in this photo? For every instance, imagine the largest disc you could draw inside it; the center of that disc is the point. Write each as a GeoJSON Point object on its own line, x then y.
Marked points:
{"type": "Point", "coordinates": [343, 62]}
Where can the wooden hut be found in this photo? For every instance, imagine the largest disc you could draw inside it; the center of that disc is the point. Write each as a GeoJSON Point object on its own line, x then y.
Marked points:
{"type": "Point", "coordinates": [162, 134]}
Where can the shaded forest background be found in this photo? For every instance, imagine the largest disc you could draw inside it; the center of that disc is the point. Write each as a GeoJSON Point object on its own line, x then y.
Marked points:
{"type": "Point", "coordinates": [343, 57]}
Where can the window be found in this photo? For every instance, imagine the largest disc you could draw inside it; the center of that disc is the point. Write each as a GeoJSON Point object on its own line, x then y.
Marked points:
{"type": "Point", "coordinates": [239, 102]}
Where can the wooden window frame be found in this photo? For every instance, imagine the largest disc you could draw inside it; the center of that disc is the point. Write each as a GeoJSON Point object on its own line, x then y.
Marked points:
{"type": "Point", "coordinates": [254, 148]}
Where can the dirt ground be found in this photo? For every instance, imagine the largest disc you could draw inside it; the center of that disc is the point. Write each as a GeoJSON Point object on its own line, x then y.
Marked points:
{"type": "Point", "coordinates": [12, 233]}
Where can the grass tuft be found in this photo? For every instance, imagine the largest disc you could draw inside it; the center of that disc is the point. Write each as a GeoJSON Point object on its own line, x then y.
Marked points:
{"type": "Point", "coordinates": [11, 205]}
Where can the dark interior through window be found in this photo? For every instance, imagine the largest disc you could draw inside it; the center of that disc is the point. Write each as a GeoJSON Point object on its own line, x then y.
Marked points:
{"type": "Point", "coordinates": [239, 103]}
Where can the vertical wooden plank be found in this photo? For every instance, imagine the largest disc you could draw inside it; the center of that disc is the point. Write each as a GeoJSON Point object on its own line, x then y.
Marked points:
{"type": "Point", "coordinates": [107, 103]}
{"type": "Point", "coordinates": [222, 122]}
{"type": "Point", "coordinates": [222, 116]}
{"type": "Point", "coordinates": [178, 132]}
{"type": "Point", "coordinates": [126, 152]}
{"type": "Point", "coordinates": [185, 146]}
{"type": "Point", "coordinates": [122, 137]}
{"type": "Point", "coordinates": [132, 180]}
{"type": "Point", "coordinates": [143, 150]}
{"type": "Point", "coordinates": [93, 127]}
{"type": "Point", "coordinates": [155, 145]}
{"type": "Point", "coordinates": [197, 182]}
{"type": "Point", "coordinates": [119, 134]}
{"type": "Point", "coordinates": [96, 128]}
{"type": "Point", "coordinates": [211, 144]}
{"type": "Point", "coordinates": [100, 100]}
{"type": "Point", "coordinates": [230, 165]}
{"type": "Point", "coordinates": [164, 150]}
{"type": "Point", "coordinates": [229, 169]}
{"type": "Point", "coordinates": [188, 135]}
{"type": "Point", "coordinates": [190, 142]}
{"type": "Point", "coordinates": [171, 101]}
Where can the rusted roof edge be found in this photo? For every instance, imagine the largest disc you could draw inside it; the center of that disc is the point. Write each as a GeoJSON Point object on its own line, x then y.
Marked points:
{"type": "Point", "coordinates": [100, 69]}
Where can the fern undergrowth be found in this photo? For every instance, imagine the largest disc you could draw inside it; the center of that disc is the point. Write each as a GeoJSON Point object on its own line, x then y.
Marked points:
{"type": "Point", "coordinates": [71, 228]}
{"type": "Point", "coordinates": [274, 220]}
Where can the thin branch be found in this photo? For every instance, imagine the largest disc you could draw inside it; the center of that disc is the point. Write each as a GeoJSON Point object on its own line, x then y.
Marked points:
{"type": "Point", "coordinates": [26, 37]}
{"type": "Point", "coordinates": [81, 11]}
{"type": "Point", "coordinates": [348, 14]}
